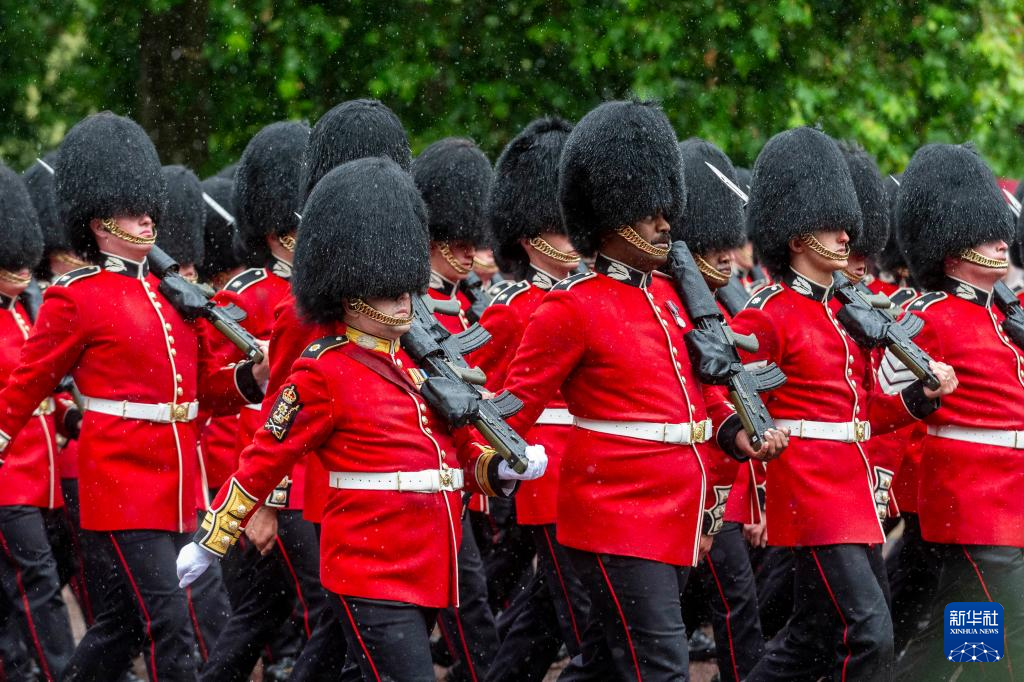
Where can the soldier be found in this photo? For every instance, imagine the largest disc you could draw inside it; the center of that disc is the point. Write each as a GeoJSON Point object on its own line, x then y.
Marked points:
{"type": "Point", "coordinates": [220, 261]}
{"type": "Point", "coordinates": [278, 561]}
{"type": "Point", "coordinates": [954, 227]}
{"type": "Point", "coordinates": [633, 491]}
{"type": "Point", "coordinates": [532, 245]}
{"type": "Point", "coordinates": [181, 236]}
{"type": "Point", "coordinates": [824, 498]}
{"type": "Point", "coordinates": [712, 226]}
{"type": "Point", "coordinates": [141, 369]}
{"type": "Point", "coordinates": [353, 398]}
{"type": "Point", "coordinates": [30, 483]}
{"type": "Point", "coordinates": [454, 178]}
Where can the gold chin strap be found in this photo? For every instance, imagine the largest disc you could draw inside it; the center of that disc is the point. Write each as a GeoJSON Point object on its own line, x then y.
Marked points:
{"type": "Point", "coordinates": [288, 242]}
{"type": "Point", "coordinates": [631, 236]}
{"type": "Point", "coordinates": [554, 254]}
{"type": "Point", "coordinates": [709, 271]}
{"type": "Point", "coordinates": [817, 247]}
{"type": "Point", "coordinates": [852, 277]}
{"type": "Point", "coordinates": [360, 306]}
{"type": "Point", "coordinates": [485, 266]}
{"type": "Point", "coordinates": [69, 259]}
{"type": "Point", "coordinates": [14, 278]}
{"type": "Point", "coordinates": [446, 253]}
{"type": "Point", "coordinates": [972, 256]}
{"type": "Point", "coordinates": [111, 226]}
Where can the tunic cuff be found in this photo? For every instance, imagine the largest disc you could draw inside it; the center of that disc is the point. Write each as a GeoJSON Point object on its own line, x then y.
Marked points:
{"type": "Point", "coordinates": [278, 498]}
{"type": "Point", "coordinates": [915, 401]}
{"type": "Point", "coordinates": [220, 527]}
{"type": "Point", "coordinates": [246, 384]}
{"type": "Point", "coordinates": [726, 437]}
{"type": "Point", "coordinates": [486, 474]}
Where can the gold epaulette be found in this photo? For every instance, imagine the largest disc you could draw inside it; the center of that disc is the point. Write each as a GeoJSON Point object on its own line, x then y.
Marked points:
{"type": "Point", "coordinates": [220, 527]}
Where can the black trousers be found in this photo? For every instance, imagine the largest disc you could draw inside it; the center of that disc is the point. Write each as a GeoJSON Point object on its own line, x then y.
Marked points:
{"type": "Point", "coordinates": [265, 591]}
{"type": "Point", "coordinates": [913, 569]}
{"type": "Point", "coordinates": [728, 579]}
{"type": "Point", "coordinates": [773, 573]}
{"type": "Point", "coordinates": [506, 549]}
{"type": "Point", "coordinates": [635, 630]}
{"type": "Point", "coordinates": [142, 607]}
{"type": "Point", "coordinates": [31, 588]}
{"type": "Point", "coordinates": [971, 573]}
{"type": "Point", "coordinates": [840, 626]}
{"type": "Point", "coordinates": [469, 630]}
{"type": "Point", "coordinates": [390, 641]}
{"type": "Point", "coordinates": [551, 611]}
{"type": "Point", "coordinates": [85, 581]}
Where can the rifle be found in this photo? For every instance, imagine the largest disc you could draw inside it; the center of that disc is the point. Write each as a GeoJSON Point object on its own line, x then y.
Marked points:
{"type": "Point", "coordinates": [896, 334]}
{"type": "Point", "coordinates": [1009, 304]}
{"type": "Point", "coordinates": [473, 288]}
{"type": "Point", "coordinates": [440, 353]}
{"type": "Point", "coordinates": [190, 300]}
{"type": "Point", "coordinates": [712, 336]}
{"type": "Point", "coordinates": [733, 295]}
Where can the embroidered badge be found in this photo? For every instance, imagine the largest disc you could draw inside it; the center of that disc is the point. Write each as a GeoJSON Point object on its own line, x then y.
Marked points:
{"type": "Point", "coordinates": [618, 272]}
{"type": "Point", "coordinates": [966, 292]}
{"type": "Point", "coordinates": [114, 264]}
{"type": "Point", "coordinates": [435, 281]}
{"type": "Point", "coordinates": [801, 286]}
{"type": "Point", "coordinates": [284, 412]}
{"type": "Point", "coordinates": [542, 281]}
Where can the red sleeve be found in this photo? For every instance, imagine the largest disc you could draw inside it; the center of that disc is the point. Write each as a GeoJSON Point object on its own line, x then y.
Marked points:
{"type": "Point", "coordinates": [540, 366]}
{"type": "Point", "coordinates": [756, 322]}
{"type": "Point", "coordinates": [49, 353]}
{"type": "Point", "coordinates": [495, 356]}
{"type": "Point", "coordinates": [223, 388]}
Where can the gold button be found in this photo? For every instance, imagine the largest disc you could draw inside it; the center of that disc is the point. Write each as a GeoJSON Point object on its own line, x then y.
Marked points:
{"type": "Point", "coordinates": [398, 362]}
{"type": "Point", "coordinates": [173, 352]}
{"type": "Point", "coordinates": [225, 540]}
{"type": "Point", "coordinates": [428, 431]}
{"type": "Point", "coordinates": [885, 497]}
{"type": "Point", "coordinates": [240, 509]}
{"type": "Point", "coordinates": [177, 377]}
{"type": "Point", "coordinates": [167, 326]}
{"type": "Point", "coordinates": [157, 304]}
{"type": "Point", "coordinates": [170, 339]}
{"type": "Point", "coordinates": [424, 418]}
{"type": "Point", "coordinates": [152, 296]}
{"type": "Point", "coordinates": [179, 390]}
{"type": "Point", "coordinates": [849, 371]}
{"type": "Point", "coordinates": [233, 525]}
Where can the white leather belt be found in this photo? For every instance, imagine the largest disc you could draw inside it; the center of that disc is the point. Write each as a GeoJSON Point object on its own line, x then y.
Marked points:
{"type": "Point", "coordinates": [1004, 439]}
{"type": "Point", "coordinates": [48, 406]}
{"type": "Point", "coordinates": [681, 434]}
{"type": "Point", "coordinates": [427, 481]}
{"type": "Point", "coordinates": [844, 432]}
{"type": "Point", "coordinates": [161, 413]}
{"type": "Point", "coordinates": [555, 415]}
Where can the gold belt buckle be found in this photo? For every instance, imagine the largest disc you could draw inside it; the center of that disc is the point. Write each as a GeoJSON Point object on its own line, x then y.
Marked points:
{"type": "Point", "coordinates": [697, 434]}
{"type": "Point", "coordinates": [179, 413]}
{"type": "Point", "coordinates": [447, 480]}
{"type": "Point", "coordinates": [859, 431]}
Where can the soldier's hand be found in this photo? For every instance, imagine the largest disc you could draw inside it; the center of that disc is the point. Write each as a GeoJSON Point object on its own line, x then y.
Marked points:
{"type": "Point", "coordinates": [704, 547]}
{"type": "Point", "coordinates": [192, 562]}
{"type": "Point", "coordinates": [262, 529]}
{"type": "Point", "coordinates": [773, 443]}
{"type": "Point", "coordinates": [756, 533]}
{"type": "Point", "coordinates": [537, 459]}
{"type": "Point", "coordinates": [261, 371]}
{"type": "Point", "coordinates": [947, 380]}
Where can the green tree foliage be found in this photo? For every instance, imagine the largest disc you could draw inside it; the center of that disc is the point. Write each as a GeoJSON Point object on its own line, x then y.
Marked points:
{"type": "Point", "coordinates": [891, 74]}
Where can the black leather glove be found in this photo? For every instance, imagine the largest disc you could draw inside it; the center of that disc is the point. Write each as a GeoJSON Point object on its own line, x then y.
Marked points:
{"type": "Point", "coordinates": [865, 325]}
{"type": "Point", "coordinates": [457, 402]}
{"type": "Point", "coordinates": [713, 360]}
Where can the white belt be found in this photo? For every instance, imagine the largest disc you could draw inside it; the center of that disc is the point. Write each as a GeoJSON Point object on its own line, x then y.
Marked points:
{"type": "Point", "coordinates": [1004, 439]}
{"type": "Point", "coordinates": [427, 481]}
{"type": "Point", "coordinates": [161, 413]}
{"type": "Point", "coordinates": [844, 432]}
{"type": "Point", "coordinates": [555, 415]}
{"type": "Point", "coordinates": [682, 434]}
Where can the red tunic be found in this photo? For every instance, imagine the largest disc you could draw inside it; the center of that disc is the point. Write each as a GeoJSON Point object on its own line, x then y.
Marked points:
{"type": "Point", "coordinates": [506, 319]}
{"type": "Point", "coordinates": [819, 492]}
{"type": "Point", "coordinates": [444, 290]}
{"type": "Point", "coordinates": [356, 417]}
{"type": "Point", "coordinates": [121, 340]}
{"type": "Point", "coordinates": [612, 341]}
{"type": "Point", "coordinates": [29, 475]}
{"type": "Point", "coordinates": [970, 493]}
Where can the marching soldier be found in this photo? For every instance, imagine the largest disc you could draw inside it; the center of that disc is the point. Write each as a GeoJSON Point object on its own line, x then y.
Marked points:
{"type": "Point", "coordinates": [634, 490]}
{"type": "Point", "coordinates": [954, 227]}
{"type": "Point", "coordinates": [220, 261]}
{"type": "Point", "coordinates": [712, 226]}
{"type": "Point", "coordinates": [141, 369]}
{"type": "Point", "coordinates": [30, 482]}
{"type": "Point", "coordinates": [182, 235]}
{"type": "Point", "coordinates": [532, 245]}
{"type": "Point", "coordinates": [390, 526]}
{"type": "Point", "coordinates": [454, 178]}
{"type": "Point", "coordinates": [824, 497]}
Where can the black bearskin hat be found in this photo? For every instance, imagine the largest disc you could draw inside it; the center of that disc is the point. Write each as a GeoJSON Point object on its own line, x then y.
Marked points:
{"type": "Point", "coordinates": [800, 185]}
{"type": "Point", "coordinates": [1017, 250]}
{"type": "Point", "coordinates": [21, 240]}
{"type": "Point", "coordinates": [891, 257]}
{"type": "Point", "coordinates": [524, 194]}
{"type": "Point", "coordinates": [364, 235]}
{"type": "Point", "coordinates": [108, 166]}
{"type": "Point", "coordinates": [40, 184]}
{"type": "Point", "coordinates": [620, 164]}
{"type": "Point", "coordinates": [355, 129]}
{"type": "Point", "coordinates": [180, 233]}
{"type": "Point", "coordinates": [266, 184]}
{"type": "Point", "coordinates": [874, 203]}
{"type": "Point", "coordinates": [744, 178]}
{"type": "Point", "coordinates": [454, 178]}
{"type": "Point", "coordinates": [713, 218]}
{"type": "Point", "coordinates": [219, 254]}
{"type": "Point", "coordinates": [228, 171]}
{"type": "Point", "coordinates": [948, 202]}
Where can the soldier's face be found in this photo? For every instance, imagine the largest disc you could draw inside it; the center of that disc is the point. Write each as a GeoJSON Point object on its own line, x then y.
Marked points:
{"type": "Point", "coordinates": [654, 230]}
{"type": "Point", "coordinates": [559, 242]}
{"type": "Point", "coordinates": [461, 253]}
{"type": "Point", "coordinates": [836, 241]}
{"type": "Point", "coordinates": [135, 226]}
{"type": "Point", "coordinates": [720, 260]}
{"type": "Point", "coordinates": [14, 289]}
{"type": "Point", "coordinates": [395, 307]}
{"type": "Point", "coordinates": [980, 275]}
{"type": "Point", "coordinates": [744, 256]}
{"type": "Point", "coordinates": [858, 265]}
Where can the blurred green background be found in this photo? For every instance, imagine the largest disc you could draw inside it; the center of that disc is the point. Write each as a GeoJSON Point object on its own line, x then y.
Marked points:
{"type": "Point", "coordinates": [203, 75]}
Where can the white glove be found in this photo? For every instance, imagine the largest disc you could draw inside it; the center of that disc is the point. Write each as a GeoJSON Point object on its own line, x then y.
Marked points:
{"type": "Point", "coordinates": [538, 463]}
{"type": "Point", "coordinates": [192, 562]}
